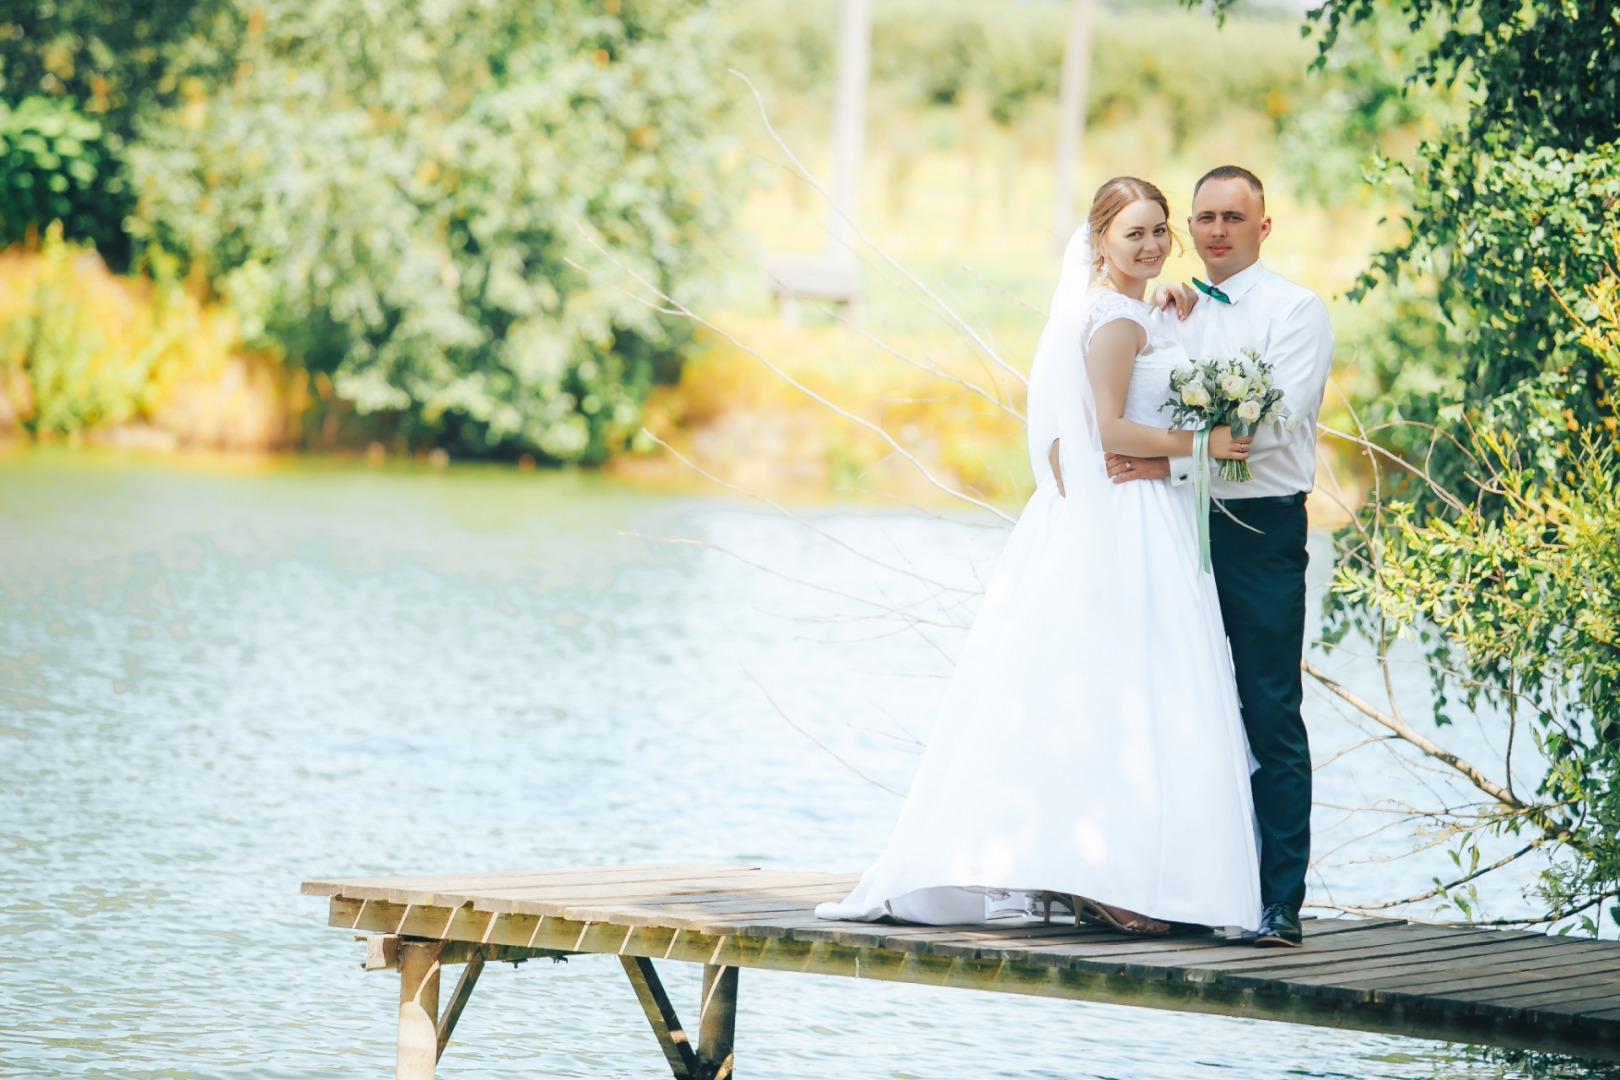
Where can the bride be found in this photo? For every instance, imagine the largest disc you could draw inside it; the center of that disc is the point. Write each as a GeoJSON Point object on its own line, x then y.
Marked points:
{"type": "Point", "coordinates": [1090, 746]}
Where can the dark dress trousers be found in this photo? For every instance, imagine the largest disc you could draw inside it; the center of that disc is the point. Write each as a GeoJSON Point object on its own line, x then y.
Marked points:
{"type": "Point", "coordinates": [1261, 581]}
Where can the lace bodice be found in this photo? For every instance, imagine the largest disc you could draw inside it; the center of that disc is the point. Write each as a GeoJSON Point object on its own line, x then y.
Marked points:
{"type": "Point", "coordinates": [1162, 353]}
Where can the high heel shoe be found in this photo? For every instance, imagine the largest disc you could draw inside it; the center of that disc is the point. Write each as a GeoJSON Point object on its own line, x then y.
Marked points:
{"type": "Point", "coordinates": [1089, 911]}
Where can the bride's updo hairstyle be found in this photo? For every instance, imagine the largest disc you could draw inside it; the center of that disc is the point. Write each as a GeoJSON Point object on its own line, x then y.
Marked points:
{"type": "Point", "coordinates": [1113, 197]}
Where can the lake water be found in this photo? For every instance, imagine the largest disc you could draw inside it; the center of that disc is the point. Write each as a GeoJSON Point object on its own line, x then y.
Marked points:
{"type": "Point", "coordinates": [217, 680]}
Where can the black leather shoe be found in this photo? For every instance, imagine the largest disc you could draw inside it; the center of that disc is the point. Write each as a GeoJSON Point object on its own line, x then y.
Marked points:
{"type": "Point", "coordinates": [1279, 928]}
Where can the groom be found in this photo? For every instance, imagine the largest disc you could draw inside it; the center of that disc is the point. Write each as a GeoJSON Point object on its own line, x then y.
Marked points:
{"type": "Point", "coordinates": [1257, 528]}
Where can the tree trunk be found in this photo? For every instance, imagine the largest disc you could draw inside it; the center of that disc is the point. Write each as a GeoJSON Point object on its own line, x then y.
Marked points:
{"type": "Point", "coordinates": [1071, 119]}
{"type": "Point", "coordinates": [849, 122]}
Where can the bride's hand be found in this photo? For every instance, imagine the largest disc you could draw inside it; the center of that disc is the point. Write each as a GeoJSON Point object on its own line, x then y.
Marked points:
{"type": "Point", "coordinates": [1057, 468]}
{"type": "Point", "coordinates": [1222, 444]}
{"type": "Point", "coordinates": [1175, 294]}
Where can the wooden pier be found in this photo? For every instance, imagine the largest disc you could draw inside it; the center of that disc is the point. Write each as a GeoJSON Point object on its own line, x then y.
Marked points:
{"type": "Point", "coordinates": [1499, 988]}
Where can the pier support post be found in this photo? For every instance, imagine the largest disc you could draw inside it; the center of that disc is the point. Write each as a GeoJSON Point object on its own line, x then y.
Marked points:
{"type": "Point", "coordinates": [418, 1010]}
{"type": "Point", "coordinates": [717, 1023]}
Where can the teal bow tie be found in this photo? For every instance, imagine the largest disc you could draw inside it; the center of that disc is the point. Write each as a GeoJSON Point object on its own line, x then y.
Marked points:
{"type": "Point", "coordinates": [1211, 291]}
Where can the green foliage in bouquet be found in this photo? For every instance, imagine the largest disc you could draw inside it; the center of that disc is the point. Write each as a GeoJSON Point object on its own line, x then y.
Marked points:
{"type": "Point", "coordinates": [1513, 583]}
{"type": "Point", "coordinates": [1238, 391]}
{"type": "Point", "coordinates": [396, 195]}
{"type": "Point", "coordinates": [56, 166]}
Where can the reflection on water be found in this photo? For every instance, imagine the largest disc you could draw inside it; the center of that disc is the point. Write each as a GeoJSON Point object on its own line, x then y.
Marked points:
{"type": "Point", "coordinates": [215, 682]}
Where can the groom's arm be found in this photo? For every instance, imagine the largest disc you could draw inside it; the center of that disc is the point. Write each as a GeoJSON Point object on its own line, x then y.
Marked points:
{"type": "Point", "coordinates": [1123, 467]}
{"type": "Point", "coordinates": [1300, 353]}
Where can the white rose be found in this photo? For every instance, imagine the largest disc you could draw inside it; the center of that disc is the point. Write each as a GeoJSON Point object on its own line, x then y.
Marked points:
{"type": "Point", "coordinates": [1249, 411]}
{"type": "Point", "coordinates": [1195, 396]}
{"type": "Point", "coordinates": [1234, 385]}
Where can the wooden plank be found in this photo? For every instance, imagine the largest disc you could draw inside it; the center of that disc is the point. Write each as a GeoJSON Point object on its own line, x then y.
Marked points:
{"type": "Point", "coordinates": [650, 884]}
{"type": "Point", "coordinates": [1576, 988]}
{"type": "Point", "coordinates": [1441, 949]}
{"type": "Point", "coordinates": [731, 881]}
{"type": "Point", "coordinates": [1425, 953]}
{"type": "Point", "coordinates": [1315, 928]}
{"type": "Point", "coordinates": [1358, 972]}
{"type": "Point", "coordinates": [1484, 974]}
{"type": "Point", "coordinates": [458, 1000]}
{"type": "Point", "coordinates": [382, 952]}
{"type": "Point", "coordinates": [506, 878]}
{"type": "Point", "coordinates": [690, 916]}
{"type": "Point", "coordinates": [671, 1036]}
{"type": "Point", "coordinates": [807, 894]}
{"type": "Point", "coordinates": [1605, 981]}
{"type": "Point", "coordinates": [641, 881]}
{"type": "Point", "coordinates": [554, 901]}
{"type": "Point", "coordinates": [1373, 941]}
{"type": "Point", "coordinates": [1159, 958]}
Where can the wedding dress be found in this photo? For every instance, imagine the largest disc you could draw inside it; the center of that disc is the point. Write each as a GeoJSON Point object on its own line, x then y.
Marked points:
{"type": "Point", "coordinates": [1090, 742]}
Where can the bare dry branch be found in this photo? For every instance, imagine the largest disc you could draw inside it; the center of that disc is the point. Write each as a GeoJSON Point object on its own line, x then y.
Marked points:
{"type": "Point", "coordinates": [830, 751]}
{"type": "Point", "coordinates": [1409, 734]}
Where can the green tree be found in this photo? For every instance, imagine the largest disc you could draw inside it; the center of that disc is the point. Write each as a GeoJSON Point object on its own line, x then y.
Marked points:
{"type": "Point", "coordinates": [1520, 606]}
{"type": "Point", "coordinates": [74, 75]}
{"type": "Point", "coordinates": [1528, 177]}
{"type": "Point", "coordinates": [1497, 548]}
{"type": "Point", "coordinates": [410, 217]}
{"type": "Point", "coordinates": [58, 166]}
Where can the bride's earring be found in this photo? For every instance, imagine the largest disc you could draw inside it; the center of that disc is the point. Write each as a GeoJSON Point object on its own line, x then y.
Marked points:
{"type": "Point", "coordinates": [1102, 270]}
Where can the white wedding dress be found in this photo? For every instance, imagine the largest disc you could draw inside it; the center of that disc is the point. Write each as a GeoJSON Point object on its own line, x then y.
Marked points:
{"type": "Point", "coordinates": [1091, 741]}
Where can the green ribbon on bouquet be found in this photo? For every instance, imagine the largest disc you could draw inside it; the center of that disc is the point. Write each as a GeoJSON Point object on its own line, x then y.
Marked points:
{"type": "Point", "coordinates": [1200, 470]}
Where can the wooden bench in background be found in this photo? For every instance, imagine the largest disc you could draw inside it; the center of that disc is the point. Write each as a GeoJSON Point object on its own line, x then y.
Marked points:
{"type": "Point", "coordinates": [1499, 988]}
{"type": "Point", "coordinates": [831, 277]}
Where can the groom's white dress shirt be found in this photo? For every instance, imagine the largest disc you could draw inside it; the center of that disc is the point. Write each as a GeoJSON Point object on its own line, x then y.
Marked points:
{"type": "Point", "coordinates": [1288, 326]}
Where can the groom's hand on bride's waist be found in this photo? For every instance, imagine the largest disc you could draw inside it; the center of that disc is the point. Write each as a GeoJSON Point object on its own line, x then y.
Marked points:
{"type": "Point", "coordinates": [1123, 467]}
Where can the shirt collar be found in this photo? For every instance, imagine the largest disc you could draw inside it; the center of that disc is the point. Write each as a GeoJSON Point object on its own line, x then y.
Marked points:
{"type": "Point", "coordinates": [1239, 284]}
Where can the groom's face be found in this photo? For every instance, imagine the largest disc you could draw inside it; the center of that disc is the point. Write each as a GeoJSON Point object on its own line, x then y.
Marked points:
{"type": "Point", "coordinates": [1228, 223]}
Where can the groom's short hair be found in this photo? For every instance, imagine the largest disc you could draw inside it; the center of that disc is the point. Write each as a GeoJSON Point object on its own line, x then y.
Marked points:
{"type": "Point", "coordinates": [1234, 172]}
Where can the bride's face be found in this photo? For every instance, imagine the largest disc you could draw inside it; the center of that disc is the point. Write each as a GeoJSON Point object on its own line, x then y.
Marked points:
{"type": "Point", "coordinates": [1137, 240]}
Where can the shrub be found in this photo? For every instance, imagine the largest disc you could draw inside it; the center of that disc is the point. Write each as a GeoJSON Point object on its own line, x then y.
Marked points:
{"type": "Point", "coordinates": [82, 349]}
{"type": "Point", "coordinates": [1519, 606]}
{"type": "Point", "coordinates": [404, 219]}
{"type": "Point", "coordinates": [57, 165]}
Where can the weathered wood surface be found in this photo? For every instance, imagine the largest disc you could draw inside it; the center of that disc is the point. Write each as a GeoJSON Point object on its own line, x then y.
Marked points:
{"type": "Point", "coordinates": [1504, 988]}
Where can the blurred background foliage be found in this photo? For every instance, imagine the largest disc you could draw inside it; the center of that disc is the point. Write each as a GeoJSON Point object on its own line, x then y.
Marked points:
{"type": "Point", "coordinates": [59, 166]}
{"type": "Point", "coordinates": [400, 226]}
{"type": "Point", "coordinates": [403, 221]}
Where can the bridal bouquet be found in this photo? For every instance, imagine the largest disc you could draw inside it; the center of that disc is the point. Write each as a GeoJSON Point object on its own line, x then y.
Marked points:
{"type": "Point", "coordinates": [1238, 391]}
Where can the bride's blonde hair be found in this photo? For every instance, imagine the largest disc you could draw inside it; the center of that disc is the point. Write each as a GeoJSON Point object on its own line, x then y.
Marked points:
{"type": "Point", "coordinates": [1114, 196]}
